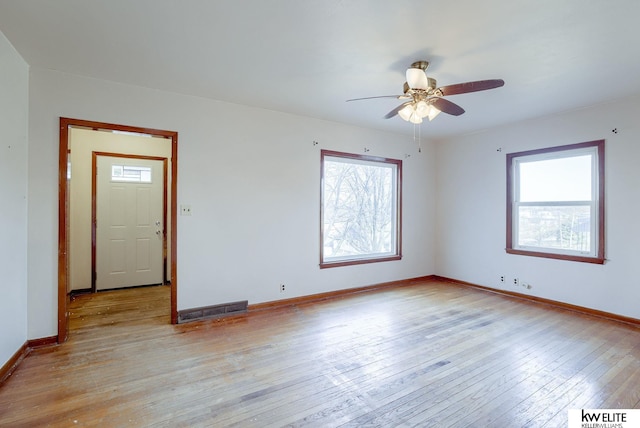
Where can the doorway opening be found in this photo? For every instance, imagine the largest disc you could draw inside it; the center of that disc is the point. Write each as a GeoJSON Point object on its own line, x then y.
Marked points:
{"type": "Point", "coordinates": [74, 272]}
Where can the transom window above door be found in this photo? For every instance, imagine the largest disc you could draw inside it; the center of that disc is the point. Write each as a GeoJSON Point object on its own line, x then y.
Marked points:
{"type": "Point", "coordinates": [128, 173]}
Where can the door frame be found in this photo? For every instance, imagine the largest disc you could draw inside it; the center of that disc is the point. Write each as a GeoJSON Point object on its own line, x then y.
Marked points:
{"type": "Point", "coordinates": [63, 212]}
{"type": "Point", "coordinates": [94, 209]}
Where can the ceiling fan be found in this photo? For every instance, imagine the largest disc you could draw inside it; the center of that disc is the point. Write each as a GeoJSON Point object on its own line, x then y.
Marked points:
{"type": "Point", "coordinates": [425, 99]}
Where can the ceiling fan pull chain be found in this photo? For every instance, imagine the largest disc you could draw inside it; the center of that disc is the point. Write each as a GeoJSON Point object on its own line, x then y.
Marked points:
{"type": "Point", "coordinates": [417, 139]}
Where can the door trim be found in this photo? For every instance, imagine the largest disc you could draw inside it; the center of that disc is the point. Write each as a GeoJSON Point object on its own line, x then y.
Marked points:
{"type": "Point", "coordinates": [94, 208]}
{"type": "Point", "coordinates": [63, 212]}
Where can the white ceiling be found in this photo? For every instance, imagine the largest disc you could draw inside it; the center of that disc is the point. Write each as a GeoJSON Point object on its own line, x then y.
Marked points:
{"type": "Point", "coordinates": [308, 56]}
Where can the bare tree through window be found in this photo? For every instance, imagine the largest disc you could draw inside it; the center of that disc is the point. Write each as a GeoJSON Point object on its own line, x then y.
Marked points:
{"type": "Point", "coordinates": [360, 207]}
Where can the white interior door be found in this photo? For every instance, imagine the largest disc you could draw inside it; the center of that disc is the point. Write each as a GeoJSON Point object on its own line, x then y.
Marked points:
{"type": "Point", "coordinates": [129, 222]}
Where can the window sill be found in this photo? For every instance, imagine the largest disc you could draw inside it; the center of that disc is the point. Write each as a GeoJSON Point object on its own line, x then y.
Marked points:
{"type": "Point", "coordinates": [583, 259]}
{"type": "Point", "coordinates": [325, 265]}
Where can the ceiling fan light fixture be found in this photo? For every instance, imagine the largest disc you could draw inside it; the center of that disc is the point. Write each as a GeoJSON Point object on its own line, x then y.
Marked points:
{"type": "Point", "coordinates": [422, 108]}
{"type": "Point", "coordinates": [417, 79]}
{"type": "Point", "coordinates": [415, 118]}
{"type": "Point", "coordinates": [406, 112]}
{"type": "Point", "coordinates": [410, 114]}
{"type": "Point", "coordinates": [433, 112]}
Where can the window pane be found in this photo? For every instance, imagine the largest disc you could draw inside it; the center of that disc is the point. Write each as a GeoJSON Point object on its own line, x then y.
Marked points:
{"type": "Point", "coordinates": [126, 173]}
{"type": "Point", "coordinates": [562, 179]}
{"type": "Point", "coordinates": [557, 227]}
{"type": "Point", "coordinates": [359, 208]}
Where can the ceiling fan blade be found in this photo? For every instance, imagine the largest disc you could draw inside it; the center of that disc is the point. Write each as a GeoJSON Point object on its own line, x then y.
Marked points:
{"type": "Point", "coordinates": [447, 106]}
{"type": "Point", "coordinates": [381, 96]}
{"type": "Point", "coordinates": [479, 85]}
{"type": "Point", "coordinates": [396, 110]}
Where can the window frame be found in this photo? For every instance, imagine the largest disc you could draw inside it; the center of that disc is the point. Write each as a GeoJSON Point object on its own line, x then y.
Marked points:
{"type": "Point", "coordinates": [397, 228]}
{"type": "Point", "coordinates": [598, 211]}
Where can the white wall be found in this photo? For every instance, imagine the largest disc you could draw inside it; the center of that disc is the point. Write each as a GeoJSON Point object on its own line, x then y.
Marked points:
{"type": "Point", "coordinates": [471, 213]}
{"type": "Point", "coordinates": [14, 96]}
{"type": "Point", "coordinates": [251, 177]}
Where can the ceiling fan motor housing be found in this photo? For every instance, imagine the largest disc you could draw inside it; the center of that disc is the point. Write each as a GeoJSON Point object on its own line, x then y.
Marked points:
{"type": "Point", "coordinates": [422, 65]}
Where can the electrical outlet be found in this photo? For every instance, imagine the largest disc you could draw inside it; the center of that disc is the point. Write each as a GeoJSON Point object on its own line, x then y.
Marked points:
{"type": "Point", "coordinates": [502, 279]}
{"type": "Point", "coordinates": [185, 209]}
{"type": "Point", "coordinates": [516, 281]}
{"type": "Point", "coordinates": [282, 289]}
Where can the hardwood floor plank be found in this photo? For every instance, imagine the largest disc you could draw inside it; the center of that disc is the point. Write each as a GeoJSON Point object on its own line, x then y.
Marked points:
{"type": "Point", "coordinates": [470, 370]}
{"type": "Point", "coordinates": [591, 396]}
{"type": "Point", "coordinates": [427, 354]}
{"type": "Point", "coordinates": [439, 400]}
{"type": "Point", "coordinates": [563, 392]}
{"type": "Point", "coordinates": [517, 409]}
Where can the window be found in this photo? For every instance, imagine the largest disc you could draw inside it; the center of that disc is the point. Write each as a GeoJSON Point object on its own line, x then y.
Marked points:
{"type": "Point", "coordinates": [555, 202]}
{"type": "Point", "coordinates": [360, 218]}
{"type": "Point", "coordinates": [138, 174]}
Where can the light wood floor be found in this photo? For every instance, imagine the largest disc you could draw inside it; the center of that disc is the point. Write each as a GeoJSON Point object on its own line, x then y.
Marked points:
{"type": "Point", "coordinates": [431, 354]}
